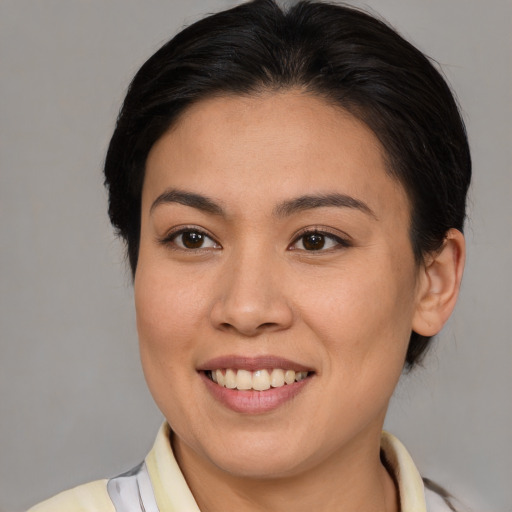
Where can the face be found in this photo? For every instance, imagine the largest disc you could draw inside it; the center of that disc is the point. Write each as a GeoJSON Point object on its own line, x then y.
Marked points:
{"type": "Point", "coordinates": [276, 285]}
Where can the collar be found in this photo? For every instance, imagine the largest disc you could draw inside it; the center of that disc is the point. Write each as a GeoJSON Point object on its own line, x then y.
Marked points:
{"type": "Point", "coordinates": [173, 494]}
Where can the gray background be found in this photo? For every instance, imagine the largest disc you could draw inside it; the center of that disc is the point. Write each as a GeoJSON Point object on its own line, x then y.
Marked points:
{"type": "Point", "coordinates": [73, 403]}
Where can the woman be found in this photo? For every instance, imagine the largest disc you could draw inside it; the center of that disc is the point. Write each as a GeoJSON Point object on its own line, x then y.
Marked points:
{"type": "Point", "coordinates": [291, 188]}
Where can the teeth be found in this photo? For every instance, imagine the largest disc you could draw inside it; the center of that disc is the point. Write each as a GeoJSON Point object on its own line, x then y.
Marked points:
{"type": "Point", "coordinates": [277, 378]}
{"type": "Point", "coordinates": [289, 377]}
{"type": "Point", "coordinates": [243, 379]}
{"type": "Point", "coordinates": [220, 377]}
{"type": "Point", "coordinates": [259, 380]}
{"type": "Point", "coordinates": [230, 379]}
{"type": "Point", "coordinates": [300, 376]}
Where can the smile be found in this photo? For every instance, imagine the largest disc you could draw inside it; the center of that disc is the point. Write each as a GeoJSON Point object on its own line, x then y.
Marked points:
{"type": "Point", "coordinates": [255, 385]}
{"type": "Point", "coordinates": [258, 380]}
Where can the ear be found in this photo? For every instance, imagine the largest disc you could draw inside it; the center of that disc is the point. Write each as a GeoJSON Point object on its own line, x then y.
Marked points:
{"type": "Point", "coordinates": [438, 285]}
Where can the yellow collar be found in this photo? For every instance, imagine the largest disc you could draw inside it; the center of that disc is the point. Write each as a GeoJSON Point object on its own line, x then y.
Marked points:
{"type": "Point", "coordinates": [173, 494]}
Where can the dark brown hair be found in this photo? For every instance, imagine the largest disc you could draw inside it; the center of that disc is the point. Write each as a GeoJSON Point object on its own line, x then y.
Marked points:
{"type": "Point", "coordinates": [346, 56]}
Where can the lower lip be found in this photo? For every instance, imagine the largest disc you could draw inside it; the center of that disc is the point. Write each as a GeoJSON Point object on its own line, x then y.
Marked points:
{"type": "Point", "coordinates": [251, 401]}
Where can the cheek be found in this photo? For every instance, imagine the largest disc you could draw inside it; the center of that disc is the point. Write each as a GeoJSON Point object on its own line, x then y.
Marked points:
{"type": "Point", "coordinates": [166, 298]}
{"type": "Point", "coordinates": [169, 310]}
{"type": "Point", "coordinates": [168, 313]}
{"type": "Point", "coordinates": [363, 313]}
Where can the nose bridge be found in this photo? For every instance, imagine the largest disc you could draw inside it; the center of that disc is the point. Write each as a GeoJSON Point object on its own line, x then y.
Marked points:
{"type": "Point", "coordinates": [252, 299]}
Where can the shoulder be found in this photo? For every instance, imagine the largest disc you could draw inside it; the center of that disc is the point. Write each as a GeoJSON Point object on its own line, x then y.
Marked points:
{"type": "Point", "coordinates": [438, 499]}
{"type": "Point", "coordinates": [436, 503]}
{"type": "Point", "coordinates": [416, 493]}
{"type": "Point", "coordinates": [91, 497]}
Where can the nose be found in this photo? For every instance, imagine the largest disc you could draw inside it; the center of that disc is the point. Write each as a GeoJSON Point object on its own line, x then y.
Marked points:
{"type": "Point", "coordinates": [252, 298]}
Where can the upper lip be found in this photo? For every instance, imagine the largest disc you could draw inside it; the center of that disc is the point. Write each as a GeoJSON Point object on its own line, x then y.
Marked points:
{"type": "Point", "coordinates": [238, 362]}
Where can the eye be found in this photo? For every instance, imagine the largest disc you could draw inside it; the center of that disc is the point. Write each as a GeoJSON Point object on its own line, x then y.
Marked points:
{"type": "Point", "coordinates": [318, 241]}
{"type": "Point", "coordinates": [190, 239]}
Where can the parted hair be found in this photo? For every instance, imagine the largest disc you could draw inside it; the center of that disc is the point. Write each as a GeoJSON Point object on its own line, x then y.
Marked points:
{"type": "Point", "coordinates": [346, 56]}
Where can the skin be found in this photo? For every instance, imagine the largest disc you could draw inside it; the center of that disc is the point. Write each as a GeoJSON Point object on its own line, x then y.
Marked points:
{"type": "Point", "coordinates": [345, 311]}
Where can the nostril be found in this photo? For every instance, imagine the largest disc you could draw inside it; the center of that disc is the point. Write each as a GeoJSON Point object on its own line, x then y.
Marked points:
{"type": "Point", "coordinates": [249, 330]}
{"type": "Point", "coordinates": [268, 325]}
{"type": "Point", "coordinates": [251, 316]}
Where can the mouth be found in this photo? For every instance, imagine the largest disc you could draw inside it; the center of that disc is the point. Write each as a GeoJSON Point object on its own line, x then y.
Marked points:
{"type": "Point", "coordinates": [258, 380]}
{"type": "Point", "coordinates": [255, 385]}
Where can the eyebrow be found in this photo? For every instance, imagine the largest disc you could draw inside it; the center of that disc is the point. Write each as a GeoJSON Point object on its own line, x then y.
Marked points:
{"type": "Point", "coordinates": [284, 209]}
{"type": "Point", "coordinates": [308, 202]}
{"type": "Point", "coordinates": [191, 199]}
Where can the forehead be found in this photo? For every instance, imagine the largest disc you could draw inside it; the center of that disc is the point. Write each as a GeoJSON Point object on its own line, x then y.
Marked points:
{"type": "Point", "coordinates": [271, 145]}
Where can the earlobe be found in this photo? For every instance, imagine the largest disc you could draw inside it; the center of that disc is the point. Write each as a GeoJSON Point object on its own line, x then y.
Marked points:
{"type": "Point", "coordinates": [439, 284]}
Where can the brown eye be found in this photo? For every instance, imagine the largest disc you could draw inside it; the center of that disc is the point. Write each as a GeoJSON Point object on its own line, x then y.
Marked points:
{"type": "Point", "coordinates": [319, 241]}
{"type": "Point", "coordinates": [313, 241]}
{"type": "Point", "coordinates": [193, 239]}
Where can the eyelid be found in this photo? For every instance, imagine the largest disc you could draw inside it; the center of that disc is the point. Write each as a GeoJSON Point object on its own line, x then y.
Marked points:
{"type": "Point", "coordinates": [168, 239]}
{"type": "Point", "coordinates": [343, 240]}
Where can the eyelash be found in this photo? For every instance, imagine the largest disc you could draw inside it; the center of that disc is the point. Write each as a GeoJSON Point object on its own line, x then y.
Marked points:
{"type": "Point", "coordinates": [170, 239]}
{"type": "Point", "coordinates": [339, 243]}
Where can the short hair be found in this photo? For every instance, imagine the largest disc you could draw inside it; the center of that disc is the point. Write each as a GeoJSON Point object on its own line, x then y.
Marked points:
{"type": "Point", "coordinates": [342, 54]}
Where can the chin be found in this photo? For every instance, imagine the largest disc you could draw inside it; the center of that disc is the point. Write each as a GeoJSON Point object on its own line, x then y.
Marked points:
{"type": "Point", "coordinates": [259, 456]}
{"type": "Point", "coordinates": [260, 467]}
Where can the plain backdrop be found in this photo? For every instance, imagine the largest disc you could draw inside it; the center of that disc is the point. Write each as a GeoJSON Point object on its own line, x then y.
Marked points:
{"type": "Point", "coordinates": [73, 402]}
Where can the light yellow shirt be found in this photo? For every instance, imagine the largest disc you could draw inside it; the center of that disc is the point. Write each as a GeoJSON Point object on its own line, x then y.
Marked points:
{"type": "Point", "coordinates": [162, 487]}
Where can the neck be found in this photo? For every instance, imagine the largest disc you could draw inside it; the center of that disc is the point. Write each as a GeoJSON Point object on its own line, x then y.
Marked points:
{"type": "Point", "coordinates": [349, 480]}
